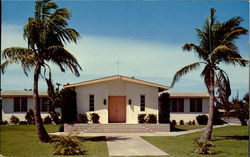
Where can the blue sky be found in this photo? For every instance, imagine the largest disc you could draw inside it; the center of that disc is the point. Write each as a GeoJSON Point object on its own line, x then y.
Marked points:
{"type": "Point", "coordinates": [144, 36]}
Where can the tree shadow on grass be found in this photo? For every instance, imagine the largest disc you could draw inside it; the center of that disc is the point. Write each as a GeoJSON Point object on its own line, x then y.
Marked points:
{"type": "Point", "coordinates": [177, 129]}
{"type": "Point", "coordinates": [95, 139]}
{"type": "Point", "coordinates": [112, 139]}
{"type": "Point", "coordinates": [220, 138]}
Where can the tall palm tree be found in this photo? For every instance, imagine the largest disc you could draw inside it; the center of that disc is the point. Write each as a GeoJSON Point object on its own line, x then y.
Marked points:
{"type": "Point", "coordinates": [216, 45]}
{"type": "Point", "coordinates": [46, 33]}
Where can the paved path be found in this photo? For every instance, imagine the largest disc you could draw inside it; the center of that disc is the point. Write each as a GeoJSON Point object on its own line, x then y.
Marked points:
{"type": "Point", "coordinates": [173, 133]}
{"type": "Point", "coordinates": [178, 133]}
{"type": "Point", "coordinates": [131, 146]}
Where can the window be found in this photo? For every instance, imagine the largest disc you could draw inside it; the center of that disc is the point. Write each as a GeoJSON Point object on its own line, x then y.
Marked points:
{"type": "Point", "coordinates": [23, 104]}
{"type": "Point", "coordinates": [142, 102]}
{"type": "Point", "coordinates": [16, 104]}
{"type": "Point", "coordinates": [45, 106]}
{"type": "Point", "coordinates": [91, 103]}
{"type": "Point", "coordinates": [176, 105]}
{"type": "Point", "coordinates": [195, 105]}
{"type": "Point", "coordinates": [20, 104]}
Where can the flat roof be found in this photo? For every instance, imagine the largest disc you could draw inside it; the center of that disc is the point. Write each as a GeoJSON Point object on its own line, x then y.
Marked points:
{"type": "Point", "coordinates": [21, 93]}
{"type": "Point", "coordinates": [189, 94]}
{"type": "Point", "coordinates": [119, 77]}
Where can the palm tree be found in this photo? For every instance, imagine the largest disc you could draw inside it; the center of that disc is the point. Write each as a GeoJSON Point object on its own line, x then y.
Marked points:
{"type": "Point", "coordinates": [46, 33]}
{"type": "Point", "coordinates": [216, 45]}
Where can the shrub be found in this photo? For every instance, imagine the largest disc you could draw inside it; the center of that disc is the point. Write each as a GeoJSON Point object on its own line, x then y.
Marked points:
{"type": "Point", "coordinates": [202, 119]}
{"type": "Point", "coordinates": [173, 122]}
{"type": "Point", "coordinates": [83, 118]}
{"type": "Point", "coordinates": [141, 118]}
{"type": "Point", "coordinates": [203, 147]}
{"type": "Point", "coordinates": [216, 119]}
{"type": "Point", "coordinates": [14, 119]}
{"type": "Point", "coordinates": [151, 118]}
{"type": "Point", "coordinates": [68, 145]}
{"type": "Point", "coordinates": [94, 117]}
{"type": "Point", "coordinates": [172, 125]}
{"type": "Point", "coordinates": [190, 122]}
{"type": "Point", "coordinates": [4, 122]}
{"type": "Point", "coordinates": [193, 122]}
{"type": "Point", "coordinates": [30, 118]}
{"type": "Point", "coordinates": [241, 108]}
{"type": "Point", "coordinates": [181, 122]}
{"type": "Point", "coordinates": [55, 117]}
{"type": "Point", "coordinates": [47, 120]}
{"type": "Point", "coordinates": [23, 122]}
{"type": "Point", "coordinates": [164, 111]}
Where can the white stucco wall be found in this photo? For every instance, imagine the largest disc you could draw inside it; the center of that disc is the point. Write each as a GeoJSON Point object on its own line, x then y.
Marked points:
{"type": "Point", "coordinates": [8, 109]}
{"type": "Point", "coordinates": [132, 91]}
{"type": "Point", "coordinates": [187, 116]}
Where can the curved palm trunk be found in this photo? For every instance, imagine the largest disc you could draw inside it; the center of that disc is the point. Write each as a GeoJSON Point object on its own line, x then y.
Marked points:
{"type": "Point", "coordinates": [208, 132]}
{"type": "Point", "coordinates": [42, 133]}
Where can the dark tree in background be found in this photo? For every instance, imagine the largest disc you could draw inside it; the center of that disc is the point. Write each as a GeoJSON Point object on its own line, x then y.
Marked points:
{"type": "Point", "coordinates": [69, 107]}
{"type": "Point", "coordinates": [164, 115]}
{"type": "Point", "coordinates": [241, 108]}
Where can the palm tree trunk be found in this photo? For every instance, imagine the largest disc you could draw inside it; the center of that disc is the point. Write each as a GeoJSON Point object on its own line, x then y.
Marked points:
{"type": "Point", "coordinates": [42, 133]}
{"type": "Point", "coordinates": [208, 132]}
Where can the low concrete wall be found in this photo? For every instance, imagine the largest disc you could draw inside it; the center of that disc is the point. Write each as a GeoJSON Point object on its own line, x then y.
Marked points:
{"type": "Point", "coordinates": [116, 128]}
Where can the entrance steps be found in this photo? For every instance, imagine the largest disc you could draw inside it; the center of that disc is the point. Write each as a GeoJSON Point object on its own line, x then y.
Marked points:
{"type": "Point", "coordinates": [117, 128]}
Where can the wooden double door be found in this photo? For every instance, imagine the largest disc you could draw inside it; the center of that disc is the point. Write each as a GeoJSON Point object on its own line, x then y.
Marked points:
{"type": "Point", "coordinates": [117, 109]}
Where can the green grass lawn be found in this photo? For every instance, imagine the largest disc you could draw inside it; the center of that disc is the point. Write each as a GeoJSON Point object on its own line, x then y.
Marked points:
{"type": "Point", "coordinates": [21, 141]}
{"type": "Point", "coordinates": [230, 141]}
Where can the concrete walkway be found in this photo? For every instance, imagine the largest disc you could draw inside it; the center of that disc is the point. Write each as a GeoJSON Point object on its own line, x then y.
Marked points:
{"type": "Point", "coordinates": [179, 133]}
{"type": "Point", "coordinates": [172, 133]}
{"type": "Point", "coordinates": [131, 146]}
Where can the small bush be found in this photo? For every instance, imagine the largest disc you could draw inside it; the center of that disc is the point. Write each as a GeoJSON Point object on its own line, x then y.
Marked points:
{"type": "Point", "coordinates": [151, 118]}
{"type": "Point", "coordinates": [68, 145]}
{"type": "Point", "coordinates": [202, 119]}
{"type": "Point", "coordinates": [141, 118]}
{"type": "Point", "coordinates": [30, 118]}
{"type": "Point", "coordinates": [172, 125]}
{"type": "Point", "coordinates": [181, 122]}
{"type": "Point", "coordinates": [14, 120]}
{"type": "Point", "coordinates": [4, 122]}
{"type": "Point", "coordinates": [193, 122]}
{"type": "Point", "coordinates": [94, 117]}
{"type": "Point", "coordinates": [83, 118]}
{"type": "Point", "coordinates": [55, 117]}
{"type": "Point", "coordinates": [190, 122]}
{"type": "Point", "coordinates": [203, 147]}
{"type": "Point", "coordinates": [47, 120]}
{"type": "Point", "coordinates": [173, 122]}
{"type": "Point", "coordinates": [23, 123]}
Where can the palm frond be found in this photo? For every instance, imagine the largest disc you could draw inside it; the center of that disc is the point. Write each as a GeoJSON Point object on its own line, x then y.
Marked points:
{"type": "Point", "coordinates": [240, 61]}
{"type": "Point", "coordinates": [224, 53]}
{"type": "Point", "coordinates": [234, 34]}
{"type": "Point", "coordinates": [64, 59]}
{"type": "Point", "coordinates": [27, 62]}
{"type": "Point", "coordinates": [15, 51]}
{"type": "Point", "coordinates": [199, 50]}
{"type": "Point", "coordinates": [184, 71]}
{"type": "Point", "coordinates": [206, 75]}
{"type": "Point", "coordinates": [222, 83]}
